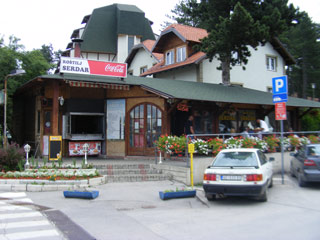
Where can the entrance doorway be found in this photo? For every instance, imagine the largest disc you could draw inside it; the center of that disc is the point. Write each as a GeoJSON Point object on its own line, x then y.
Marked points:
{"type": "Point", "coordinates": [145, 127]}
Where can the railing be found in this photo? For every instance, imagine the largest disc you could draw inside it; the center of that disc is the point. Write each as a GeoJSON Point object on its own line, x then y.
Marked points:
{"type": "Point", "coordinates": [225, 136]}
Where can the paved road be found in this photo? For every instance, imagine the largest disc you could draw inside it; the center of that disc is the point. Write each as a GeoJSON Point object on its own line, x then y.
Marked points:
{"type": "Point", "coordinates": [21, 219]}
{"type": "Point", "coordinates": [134, 211]}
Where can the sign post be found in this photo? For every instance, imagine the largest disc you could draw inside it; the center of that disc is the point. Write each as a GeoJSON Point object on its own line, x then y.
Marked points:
{"type": "Point", "coordinates": [191, 151]}
{"type": "Point", "coordinates": [280, 97]}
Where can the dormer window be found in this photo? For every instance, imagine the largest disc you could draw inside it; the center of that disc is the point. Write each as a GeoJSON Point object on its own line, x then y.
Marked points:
{"type": "Point", "coordinates": [181, 54]}
{"type": "Point", "coordinates": [170, 57]}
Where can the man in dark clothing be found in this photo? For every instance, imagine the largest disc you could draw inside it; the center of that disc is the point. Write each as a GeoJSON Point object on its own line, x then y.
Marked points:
{"type": "Point", "coordinates": [188, 127]}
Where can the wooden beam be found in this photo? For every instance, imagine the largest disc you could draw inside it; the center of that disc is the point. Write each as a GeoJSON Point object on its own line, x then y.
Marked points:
{"type": "Point", "coordinates": [55, 108]}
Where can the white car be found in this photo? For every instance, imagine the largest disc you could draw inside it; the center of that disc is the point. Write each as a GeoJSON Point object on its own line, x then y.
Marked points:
{"type": "Point", "coordinates": [239, 172]}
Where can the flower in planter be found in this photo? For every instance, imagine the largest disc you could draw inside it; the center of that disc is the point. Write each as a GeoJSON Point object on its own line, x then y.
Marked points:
{"type": "Point", "coordinates": [313, 139]}
{"type": "Point", "coordinates": [304, 140]}
{"type": "Point", "coordinates": [201, 146]}
{"type": "Point", "coordinates": [272, 142]}
{"type": "Point", "coordinates": [233, 142]}
{"type": "Point", "coordinates": [294, 141]}
{"type": "Point", "coordinates": [216, 144]}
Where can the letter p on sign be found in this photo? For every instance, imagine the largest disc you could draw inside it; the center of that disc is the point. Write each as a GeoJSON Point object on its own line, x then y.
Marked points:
{"type": "Point", "coordinates": [279, 85]}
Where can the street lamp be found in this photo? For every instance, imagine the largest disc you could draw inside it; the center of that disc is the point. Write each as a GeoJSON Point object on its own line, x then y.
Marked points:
{"type": "Point", "coordinates": [85, 148]}
{"type": "Point", "coordinates": [313, 85]}
{"type": "Point", "coordinates": [27, 149]}
{"type": "Point", "coordinates": [13, 73]}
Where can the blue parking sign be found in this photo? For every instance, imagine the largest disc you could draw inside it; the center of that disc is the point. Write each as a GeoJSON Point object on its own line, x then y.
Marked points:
{"type": "Point", "coordinates": [280, 85]}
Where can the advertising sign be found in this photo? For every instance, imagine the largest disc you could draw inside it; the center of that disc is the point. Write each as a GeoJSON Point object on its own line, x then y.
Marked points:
{"type": "Point", "coordinates": [85, 66]}
{"type": "Point", "coordinates": [281, 112]}
{"type": "Point", "coordinates": [76, 148]}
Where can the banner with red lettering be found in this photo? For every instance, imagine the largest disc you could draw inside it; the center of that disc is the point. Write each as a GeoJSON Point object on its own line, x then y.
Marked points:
{"type": "Point", "coordinates": [85, 66]}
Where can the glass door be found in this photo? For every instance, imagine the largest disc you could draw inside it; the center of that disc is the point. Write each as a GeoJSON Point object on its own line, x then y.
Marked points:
{"type": "Point", "coordinates": [145, 128]}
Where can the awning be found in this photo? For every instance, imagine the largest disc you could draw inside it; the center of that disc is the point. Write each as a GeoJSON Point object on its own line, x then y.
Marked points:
{"type": "Point", "coordinates": [98, 85]}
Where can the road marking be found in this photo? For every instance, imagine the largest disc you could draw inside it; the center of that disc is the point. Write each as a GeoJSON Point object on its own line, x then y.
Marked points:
{"type": "Point", "coordinates": [13, 194]}
{"type": "Point", "coordinates": [12, 225]}
{"type": "Point", "coordinates": [20, 215]}
{"type": "Point", "coordinates": [13, 208]}
{"type": "Point", "coordinates": [31, 235]}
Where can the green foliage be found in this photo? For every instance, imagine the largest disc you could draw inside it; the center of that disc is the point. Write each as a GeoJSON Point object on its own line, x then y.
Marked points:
{"type": "Point", "coordinates": [234, 25]}
{"type": "Point", "coordinates": [311, 121]}
{"type": "Point", "coordinates": [10, 157]}
{"type": "Point", "coordinates": [302, 42]}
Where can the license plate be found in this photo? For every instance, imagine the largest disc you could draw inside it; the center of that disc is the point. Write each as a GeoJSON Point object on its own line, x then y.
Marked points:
{"type": "Point", "coordinates": [231, 178]}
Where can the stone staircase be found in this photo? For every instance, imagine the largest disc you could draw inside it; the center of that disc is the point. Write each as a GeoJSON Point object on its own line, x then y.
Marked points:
{"type": "Point", "coordinates": [131, 173]}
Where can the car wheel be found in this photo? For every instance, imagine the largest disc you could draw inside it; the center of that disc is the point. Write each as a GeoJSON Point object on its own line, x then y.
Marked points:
{"type": "Point", "coordinates": [271, 183]}
{"type": "Point", "coordinates": [263, 197]}
{"type": "Point", "coordinates": [301, 182]}
{"type": "Point", "coordinates": [210, 197]}
{"type": "Point", "coordinates": [291, 171]}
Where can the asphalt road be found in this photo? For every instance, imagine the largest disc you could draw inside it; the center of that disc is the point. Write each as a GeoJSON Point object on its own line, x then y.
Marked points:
{"type": "Point", "coordinates": [135, 211]}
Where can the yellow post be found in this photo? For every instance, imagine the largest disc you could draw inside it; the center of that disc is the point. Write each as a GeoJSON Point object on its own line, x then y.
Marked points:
{"type": "Point", "coordinates": [191, 151]}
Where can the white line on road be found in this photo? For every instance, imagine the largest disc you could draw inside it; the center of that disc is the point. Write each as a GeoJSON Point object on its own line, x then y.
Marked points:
{"type": "Point", "coordinates": [24, 224]}
{"type": "Point", "coordinates": [30, 235]}
{"type": "Point", "coordinates": [13, 194]}
{"type": "Point", "coordinates": [20, 215]}
{"type": "Point", "coordinates": [13, 208]}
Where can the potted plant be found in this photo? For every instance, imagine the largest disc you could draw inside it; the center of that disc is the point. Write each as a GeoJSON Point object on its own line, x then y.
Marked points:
{"type": "Point", "coordinates": [178, 193]}
{"type": "Point", "coordinates": [81, 194]}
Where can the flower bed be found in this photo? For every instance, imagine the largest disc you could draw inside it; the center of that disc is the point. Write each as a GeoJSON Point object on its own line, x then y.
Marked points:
{"type": "Point", "coordinates": [51, 174]}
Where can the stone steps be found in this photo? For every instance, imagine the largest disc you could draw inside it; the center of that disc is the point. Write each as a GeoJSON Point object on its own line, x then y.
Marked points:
{"type": "Point", "coordinates": [131, 173]}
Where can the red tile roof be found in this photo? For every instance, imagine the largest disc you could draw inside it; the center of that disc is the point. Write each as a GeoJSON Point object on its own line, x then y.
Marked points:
{"type": "Point", "coordinates": [160, 67]}
{"type": "Point", "coordinates": [149, 45]}
{"type": "Point", "coordinates": [190, 33]}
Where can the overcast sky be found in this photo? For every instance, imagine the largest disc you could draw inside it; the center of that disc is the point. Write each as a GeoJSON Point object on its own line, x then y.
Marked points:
{"type": "Point", "coordinates": [38, 22]}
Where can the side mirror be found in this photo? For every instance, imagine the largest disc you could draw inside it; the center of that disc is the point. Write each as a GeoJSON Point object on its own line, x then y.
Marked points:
{"type": "Point", "coordinates": [271, 159]}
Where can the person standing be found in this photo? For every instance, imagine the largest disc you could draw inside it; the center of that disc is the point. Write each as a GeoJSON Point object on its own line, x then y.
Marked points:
{"type": "Point", "coordinates": [188, 127]}
{"type": "Point", "coordinates": [263, 127]}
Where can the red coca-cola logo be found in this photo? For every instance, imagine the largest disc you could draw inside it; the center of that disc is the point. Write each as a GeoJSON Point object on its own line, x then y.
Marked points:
{"type": "Point", "coordinates": [114, 68]}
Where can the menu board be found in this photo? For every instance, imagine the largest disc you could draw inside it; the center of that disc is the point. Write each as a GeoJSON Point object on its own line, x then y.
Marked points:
{"type": "Point", "coordinates": [116, 109]}
{"type": "Point", "coordinates": [76, 148]}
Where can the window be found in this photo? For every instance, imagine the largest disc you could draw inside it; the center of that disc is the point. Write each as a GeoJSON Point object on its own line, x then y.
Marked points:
{"type": "Point", "coordinates": [181, 54]}
{"type": "Point", "coordinates": [269, 89]}
{"type": "Point", "coordinates": [262, 158]}
{"type": "Point", "coordinates": [130, 43]}
{"type": "Point", "coordinates": [271, 63]}
{"type": "Point", "coordinates": [169, 57]}
{"type": "Point", "coordinates": [143, 69]}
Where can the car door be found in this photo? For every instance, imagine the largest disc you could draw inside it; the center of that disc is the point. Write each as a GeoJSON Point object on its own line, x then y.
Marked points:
{"type": "Point", "coordinates": [266, 166]}
{"type": "Point", "coordinates": [300, 159]}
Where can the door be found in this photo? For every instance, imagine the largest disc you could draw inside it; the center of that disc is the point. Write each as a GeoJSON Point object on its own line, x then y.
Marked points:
{"type": "Point", "coordinates": [145, 127]}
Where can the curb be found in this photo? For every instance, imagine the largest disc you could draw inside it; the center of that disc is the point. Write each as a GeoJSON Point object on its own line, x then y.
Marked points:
{"type": "Point", "coordinates": [46, 185]}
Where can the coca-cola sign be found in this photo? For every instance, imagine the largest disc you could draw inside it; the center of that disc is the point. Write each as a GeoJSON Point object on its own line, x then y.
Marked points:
{"type": "Point", "coordinates": [84, 66]}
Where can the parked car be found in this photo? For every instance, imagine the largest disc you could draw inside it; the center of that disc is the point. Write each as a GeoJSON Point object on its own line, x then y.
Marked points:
{"type": "Point", "coordinates": [239, 172]}
{"type": "Point", "coordinates": [305, 164]}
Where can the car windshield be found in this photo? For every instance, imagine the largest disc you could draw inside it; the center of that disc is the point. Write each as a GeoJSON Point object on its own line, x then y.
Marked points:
{"type": "Point", "coordinates": [236, 159]}
{"type": "Point", "coordinates": [314, 150]}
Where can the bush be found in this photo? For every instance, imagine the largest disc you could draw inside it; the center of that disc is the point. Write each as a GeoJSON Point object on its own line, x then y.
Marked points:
{"type": "Point", "coordinates": [10, 157]}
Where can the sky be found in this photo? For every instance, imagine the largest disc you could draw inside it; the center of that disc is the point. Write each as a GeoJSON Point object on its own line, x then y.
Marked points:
{"type": "Point", "coordinates": [38, 22]}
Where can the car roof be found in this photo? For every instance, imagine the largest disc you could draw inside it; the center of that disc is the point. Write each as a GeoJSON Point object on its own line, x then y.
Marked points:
{"type": "Point", "coordinates": [240, 150]}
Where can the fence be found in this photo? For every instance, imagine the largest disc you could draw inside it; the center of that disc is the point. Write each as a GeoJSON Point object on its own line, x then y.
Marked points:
{"type": "Point", "coordinates": [225, 136]}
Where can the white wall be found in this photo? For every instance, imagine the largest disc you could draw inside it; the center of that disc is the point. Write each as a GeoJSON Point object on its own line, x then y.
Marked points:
{"type": "Point", "coordinates": [256, 76]}
{"type": "Point", "coordinates": [142, 58]}
{"type": "Point", "coordinates": [188, 73]}
{"type": "Point", "coordinates": [123, 47]}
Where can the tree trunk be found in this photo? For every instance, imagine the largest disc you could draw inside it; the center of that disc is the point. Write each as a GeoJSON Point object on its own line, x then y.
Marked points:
{"type": "Point", "coordinates": [304, 76]}
{"type": "Point", "coordinates": [225, 65]}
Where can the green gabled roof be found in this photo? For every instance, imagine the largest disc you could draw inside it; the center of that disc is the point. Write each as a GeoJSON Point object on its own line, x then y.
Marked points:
{"type": "Point", "coordinates": [190, 90]}
{"type": "Point", "coordinates": [105, 23]}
